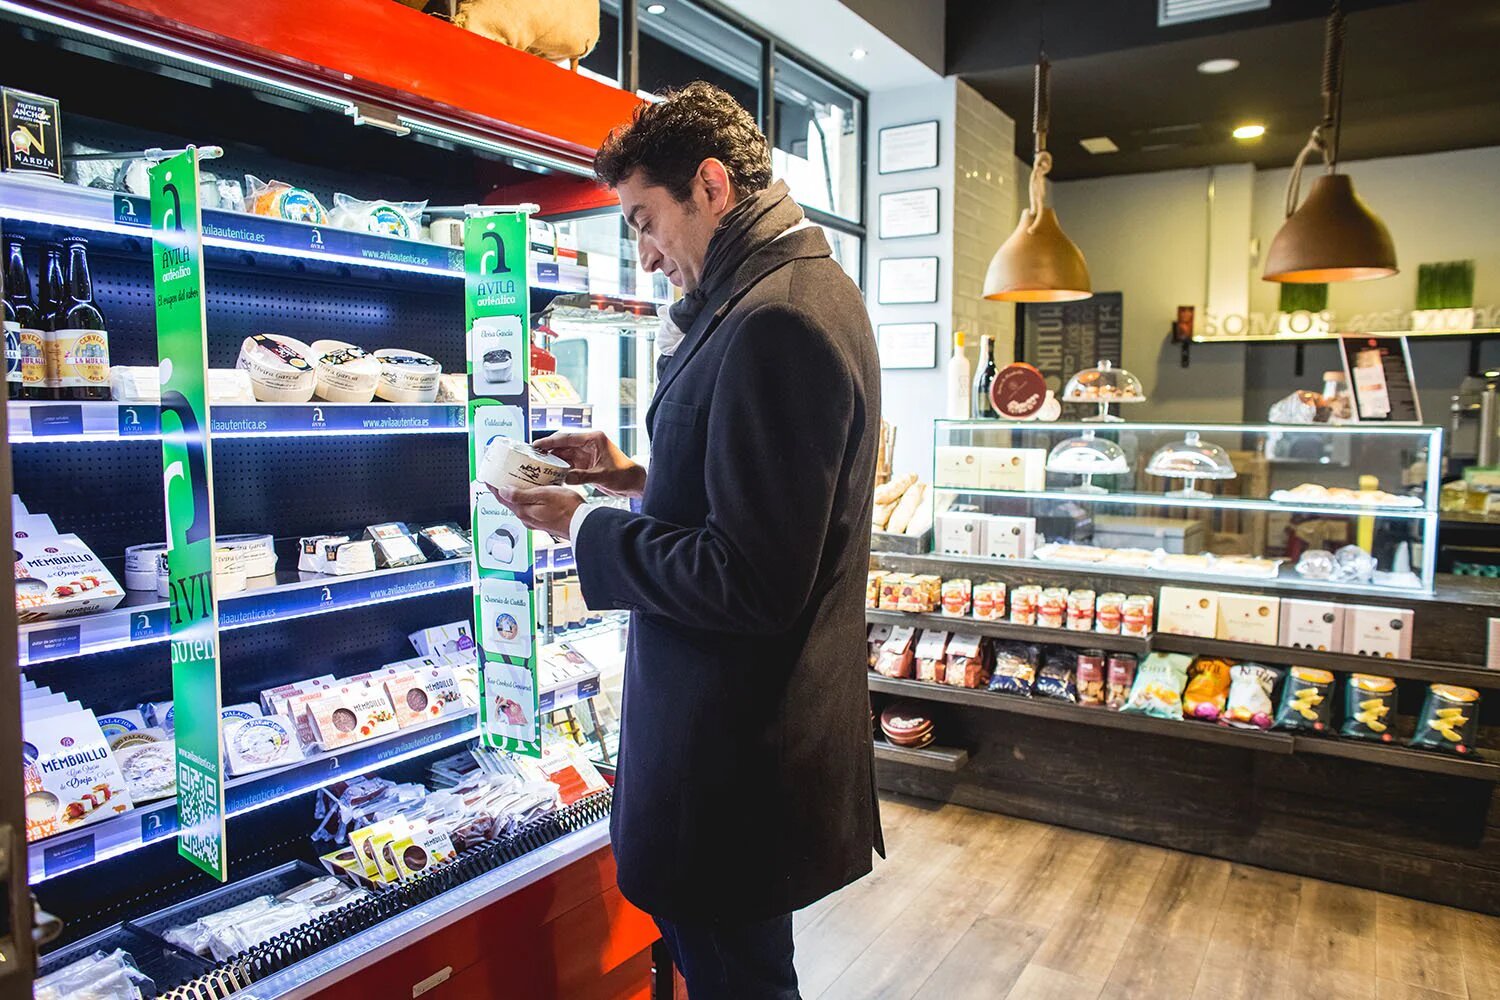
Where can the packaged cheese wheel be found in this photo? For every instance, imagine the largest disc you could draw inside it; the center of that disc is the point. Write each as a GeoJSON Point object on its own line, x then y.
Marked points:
{"type": "Point", "coordinates": [279, 369]}
{"type": "Point", "coordinates": [345, 373]}
{"type": "Point", "coordinates": [229, 571]}
{"type": "Point", "coordinates": [140, 565]}
{"type": "Point", "coordinates": [406, 376]}
{"type": "Point", "coordinates": [258, 552]}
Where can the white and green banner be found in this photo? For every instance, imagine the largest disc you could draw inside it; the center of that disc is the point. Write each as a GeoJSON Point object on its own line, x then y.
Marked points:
{"type": "Point", "coordinates": [497, 310]}
{"type": "Point", "coordinates": [187, 478]}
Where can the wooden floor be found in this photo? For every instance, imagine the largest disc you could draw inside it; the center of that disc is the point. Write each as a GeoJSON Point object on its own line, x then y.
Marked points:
{"type": "Point", "coordinates": [971, 904]}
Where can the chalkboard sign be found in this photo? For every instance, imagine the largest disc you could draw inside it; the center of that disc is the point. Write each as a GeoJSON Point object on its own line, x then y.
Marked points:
{"type": "Point", "coordinates": [1380, 376]}
{"type": "Point", "coordinates": [1062, 338]}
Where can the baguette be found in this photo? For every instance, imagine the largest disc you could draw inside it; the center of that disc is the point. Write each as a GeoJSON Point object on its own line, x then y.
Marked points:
{"type": "Point", "coordinates": [882, 514]}
{"type": "Point", "coordinates": [906, 509]}
{"type": "Point", "coordinates": [892, 491]}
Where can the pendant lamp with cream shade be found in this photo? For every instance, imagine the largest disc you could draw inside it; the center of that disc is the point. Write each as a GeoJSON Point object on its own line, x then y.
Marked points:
{"type": "Point", "coordinates": [1333, 235]}
{"type": "Point", "coordinates": [1038, 263]}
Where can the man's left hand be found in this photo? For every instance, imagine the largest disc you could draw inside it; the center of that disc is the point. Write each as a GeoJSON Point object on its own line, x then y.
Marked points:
{"type": "Point", "coordinates": [541, 508]}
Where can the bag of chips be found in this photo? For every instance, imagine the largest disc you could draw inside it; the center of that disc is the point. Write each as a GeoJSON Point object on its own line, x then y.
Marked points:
{"type": "Point", "coordinates": [1159, 682]}
{"type": "Point", "coordinates": [1250, 688]}
{"type": "Point", "coordinates": [1057, 678]}
{"type": "Point", "coordinates": [1207, 689]}
{"type": "Point", "coordinates": [1449, 720]}
{"type": "Point", "coordinates": [1369, 704]}
{"type": "Point", "coordinates": [1015, 668]}
{"type": "Point", "coordinates": [1306, 701]}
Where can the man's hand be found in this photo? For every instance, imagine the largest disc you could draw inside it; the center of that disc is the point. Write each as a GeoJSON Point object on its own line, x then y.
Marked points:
{"type": "Point", "coordinates": [595, 460]}
{"type": "Point", "coordinates": [541, 508]}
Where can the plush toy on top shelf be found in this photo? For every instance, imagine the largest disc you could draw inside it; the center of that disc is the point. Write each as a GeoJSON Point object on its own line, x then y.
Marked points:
{"type": "Point", "coordinates": [552, 29]}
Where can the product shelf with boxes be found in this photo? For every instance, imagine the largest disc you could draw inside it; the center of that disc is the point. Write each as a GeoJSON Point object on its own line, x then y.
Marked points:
{"type": "Point", "coordinates": [1357, 511]}
{"type": "Point", "coordinates": [66, 423]}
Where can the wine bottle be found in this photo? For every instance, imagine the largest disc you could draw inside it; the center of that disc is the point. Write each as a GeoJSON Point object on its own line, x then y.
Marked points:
{"type": "Point", "coordinates": [984, 378]}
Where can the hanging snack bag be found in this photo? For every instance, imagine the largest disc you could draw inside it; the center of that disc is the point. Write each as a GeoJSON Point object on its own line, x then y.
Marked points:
{"type": "Point", "coordinates": [898, 654]}
{"type": "Point", "coordinates": [1369, 702]}
{"type": "Point", "coordinates": [1207, 689]}
{"type": "Point", "coordinates": [1306, 701]}
{"type": "Point", "coordinates": [932, 652]}
{"type": "Point", "coordinates": [1449, 721]}
{"type": "Point", "coordinates": [1158, 687]}
{"type": "Point", "coordinates": [1015, 668]}
{"type": "Point", "coordinates": [1058, 676]}
{"type": "Point", "coordinates": [1119, 679]}
{"type": "Point", "coordinates": [966, 662]}
{"type": "Point", "coordinates": [1250, 687]}
{"type": "Point", "coordinates": [1090, 677]}
{"type": "Point", "coordinates": [280, 200]}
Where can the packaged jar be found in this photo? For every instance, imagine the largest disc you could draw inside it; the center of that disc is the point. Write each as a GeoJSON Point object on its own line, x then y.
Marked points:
{"type": "Point", "coordinates": [1137, 615]}
{"type": "Point", "coordinates": [1081, 610]}
{"type": "Point", "coordinates": [1024, 604]}
{"type": "Point", "coordinates": [1119, 678]}
{"type": "Point", "coordinates": [1108, 612]}
{"type": "Point", "coordinates": [1052, 610]}
{"type": "Point", "coordinates": [989, 601]}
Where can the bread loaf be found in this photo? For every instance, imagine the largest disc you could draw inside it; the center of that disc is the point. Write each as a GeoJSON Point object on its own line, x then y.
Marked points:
{"type": "Point", "coordinates": [893, 490]}
{"type": "Point", "coordinates": [906, 509]}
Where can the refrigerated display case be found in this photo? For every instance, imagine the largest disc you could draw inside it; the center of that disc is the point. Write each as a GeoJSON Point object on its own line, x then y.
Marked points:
{"type": "Point", "coordinates": [1342, 507]}
{"type": "Point", "coordinates": [89, 473]}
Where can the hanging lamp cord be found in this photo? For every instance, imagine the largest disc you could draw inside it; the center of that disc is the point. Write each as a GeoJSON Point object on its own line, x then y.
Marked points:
{"type": "Point", "coordinates": [1325, 135]}
{"type": "Point", "coordinates": [1041, 114]}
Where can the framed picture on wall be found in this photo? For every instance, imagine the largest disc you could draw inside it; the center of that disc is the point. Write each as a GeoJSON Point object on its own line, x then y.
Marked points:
{"type": "Point", "coordinates": [907, 281]}
{"type": "Point", "coordinates": [908, 147]}
{"type": "Point", "coordinates": [907, 345]}
{"type": "Point", "coordinates": [905, 214]}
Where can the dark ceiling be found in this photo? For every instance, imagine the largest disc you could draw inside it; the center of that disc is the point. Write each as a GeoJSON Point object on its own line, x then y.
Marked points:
{"type": "Point", "coordinates": [1420, 76]}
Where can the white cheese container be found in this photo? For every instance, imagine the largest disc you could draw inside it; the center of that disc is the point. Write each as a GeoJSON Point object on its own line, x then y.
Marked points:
{"type": "Point", "coordinates": [508, 462]}
{"type": "Point", "coordinates": [141, 563]}
{"type": "Point", "coordinates": [407, 377]}
{"type": "Point", "coordinates": [229, 571]}
{"type": "Point", "coordinates": [279, 369]}
{"type": "Point", "coordinates": [345, 373]}
{"type": "Point", "coordinates": [257, 551]}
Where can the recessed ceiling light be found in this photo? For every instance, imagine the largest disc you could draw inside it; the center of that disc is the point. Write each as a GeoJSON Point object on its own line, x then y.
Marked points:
{"type": "Point", "coordinates": [656, 8]}
{"type": "Point", "coordinates": [1212, 66]}
{"type": "Point", "coordinates": [1254, 131]}
{"type": "Point", "coordinates": [858, 54]}
{"type": "Point", "coordinates": [1099, 144]}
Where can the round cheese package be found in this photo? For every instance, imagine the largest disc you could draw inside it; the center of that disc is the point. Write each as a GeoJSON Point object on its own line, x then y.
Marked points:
{"type": "Point", "coordinates": [258, 552]}
{"type": "Point", "coordinates": [279, 369]}
{"type": "Point", "coordinates": [508, 462]}
{"type": "Point", "coordinates": [345, 373]}
{"type": "Point", "coordinates": [140, 565]}
{"type": "Point", "coordinates": [406, 376]}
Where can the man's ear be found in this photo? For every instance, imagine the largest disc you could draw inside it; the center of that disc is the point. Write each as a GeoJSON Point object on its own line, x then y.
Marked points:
{"type": "Point", "coordinates": [717, 189]}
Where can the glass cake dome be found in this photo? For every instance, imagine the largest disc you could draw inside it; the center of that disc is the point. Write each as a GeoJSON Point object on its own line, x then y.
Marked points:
{"type": "Point", "coordinates": [1087, 456]}
{"type": "Point", "coordinates": [1104, 384]}
{"type": "Point", "coordinates": [1190, 460]}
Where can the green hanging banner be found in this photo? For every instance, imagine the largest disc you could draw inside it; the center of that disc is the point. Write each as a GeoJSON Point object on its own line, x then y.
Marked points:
{"type": "Point", "coordinates": [497, 310]}
{"type": "Point", "coordinates": [187, 478]}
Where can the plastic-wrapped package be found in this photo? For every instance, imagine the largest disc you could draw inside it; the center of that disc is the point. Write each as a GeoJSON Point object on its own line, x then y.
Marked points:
{"type": "Point", "coordinates": [1158, 687]}
{"type": "Point", "coordinates": [1449, 720]}
{"type": "Point", "coordinates": [1207, 689]}
{"type": "Point", "coordinates": [1369, 701]}
{"type": "Point", "coordinates": [1250, 705]}
{"type": "Point", "coordinates": [280, 200]}
{"type": "Point", "coordinates": [1058, 676]}
{"type": "Point", "coordinates": [383, 218]}
{"type": "Point", "coordinates": [1015, 668]}
{"type": "Point", "coordinates": [1306, 700]}
{"type": "Point", "coordinates": [195, 936]}
{"type": "Point", "coordinates": [100, 976]}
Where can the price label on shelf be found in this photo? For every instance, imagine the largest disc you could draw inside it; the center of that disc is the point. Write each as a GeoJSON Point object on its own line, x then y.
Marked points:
{"type": "Point", "coordinates": [187, 478]}
{"type": "Point", "coordinates": [497, 302]}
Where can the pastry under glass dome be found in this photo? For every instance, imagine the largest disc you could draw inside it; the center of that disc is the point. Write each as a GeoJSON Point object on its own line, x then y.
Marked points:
{"type": "Point", "coordinates": [1087, 456]}
{"type": "Point", "coordinates": [1104, 384]}
{"type": "Point", "coordinates": [1190, 460]}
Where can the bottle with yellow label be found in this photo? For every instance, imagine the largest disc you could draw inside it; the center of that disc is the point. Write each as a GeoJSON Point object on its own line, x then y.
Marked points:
{"type": "Point", "coordinates": [24, 364]}
{"type": "Point", "coordinates": [78, 344]}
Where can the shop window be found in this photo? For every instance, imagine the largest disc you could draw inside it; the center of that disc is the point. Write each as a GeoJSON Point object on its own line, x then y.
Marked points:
{"type": "Point", "coordinates": [817, 143]}
{"type": "Point", "coordinates": [847, 250]}
{"type": "Point", "coordinates": [686, 43]}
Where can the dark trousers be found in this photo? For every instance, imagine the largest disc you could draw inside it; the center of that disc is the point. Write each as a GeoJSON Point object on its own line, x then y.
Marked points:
{"type": "Point", "coordinates": [734, 961]}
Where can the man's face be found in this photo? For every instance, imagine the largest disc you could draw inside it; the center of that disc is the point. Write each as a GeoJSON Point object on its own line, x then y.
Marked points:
{"type": "Point", "coordinates": [673, 235]}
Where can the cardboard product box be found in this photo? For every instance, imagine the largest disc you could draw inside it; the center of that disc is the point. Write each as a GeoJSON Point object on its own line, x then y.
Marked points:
{"type": "Point", "coordinates": [961, 533]}
{"type": "Point", "coordinates": [1010, 537]}
{"type": "Point", "coordinates": [70, 777]}
{"type": "Point", "coordinates": [1249, 618]}
{"type": "Point", "coordinates": [414, 702]}
{"type": "Point", "coordinates": [1188, 611]}
{"type": "Point", "coordinates": [1381, 632]}
{"type": "Point", "coordinates": [1174, 535]}
{"type": "Point", "coordinates": [955, 466]}
{"type": "Point", "coordinates": [58, 576]}
{"type": "Point", "coordinates": [1315, 625]}
{"type": "Point", "coordinates": [1013, 469]}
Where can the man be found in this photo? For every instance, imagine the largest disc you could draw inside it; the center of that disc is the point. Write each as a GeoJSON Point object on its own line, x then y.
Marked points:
{"type": "Point", "coordinates": [745, 787]}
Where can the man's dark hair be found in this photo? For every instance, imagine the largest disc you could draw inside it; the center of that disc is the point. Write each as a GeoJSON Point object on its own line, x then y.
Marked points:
{"type": "Point", "coordinates": [668, 140]}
